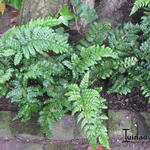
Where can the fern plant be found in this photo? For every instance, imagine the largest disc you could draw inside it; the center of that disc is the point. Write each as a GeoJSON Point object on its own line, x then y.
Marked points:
{"type": "Point", "coordinates": [37, 64]}
{"type": "Point", "coordinates": [137, 73]}
{"type": "Point", "coordinates": [87, 102]}
{"type": "Point", "coordinates": [31, 57]}
{"type": "Point", "coordinates": [130, 43]}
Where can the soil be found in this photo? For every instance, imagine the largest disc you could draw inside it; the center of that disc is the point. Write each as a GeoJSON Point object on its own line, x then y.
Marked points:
{"type": "Point", "coordinates": [134, 101]}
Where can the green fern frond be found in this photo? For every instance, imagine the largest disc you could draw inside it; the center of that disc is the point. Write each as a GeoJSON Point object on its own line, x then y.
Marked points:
{"type": "Point", "coordinates": [26, 98]}
{"type": "Point", "coordinates": [27, 40]}
{"type": "Point", "coordinates": [44, 69]}
{"type": "Point", "coordinates": [88, 57]}
{"type": "Point", "coordinates": [145, 26]}
{"type": "Point", "coordinates": [146, 90]}
{"type": "Point", "coordinates": [43, 22]}
{"type": "Point", "coordinates": [124, 39]}
{"type": "Point", "coordinates": [5, 76]}
{"type": "Point", "coordinates": [144, 52]}
{"type": "Point", "coordinates": [127, 63]}
{"type": "Point", "coordinates": [51, 113]}
{"type": "Point", "coordinates": [87, 102]}
{"type": "Point", "coordinates": [121, 84]}
{"type": "Point", "coordinates": [138, 4]}
{"type": "Point", "coordinates": [98, 32]}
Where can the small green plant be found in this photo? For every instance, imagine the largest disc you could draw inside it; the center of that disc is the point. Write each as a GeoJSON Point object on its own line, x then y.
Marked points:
{"type": "Point", "coordinates": [83, 11]}
{"type": "Point", "coordinates": [87, 102]}
{"type": "Point", "coordinates": [77, 11]}
{"type": "Point", "coordinates": [131, 44]}
{"type": "Point", "coordinates": [37, 64]}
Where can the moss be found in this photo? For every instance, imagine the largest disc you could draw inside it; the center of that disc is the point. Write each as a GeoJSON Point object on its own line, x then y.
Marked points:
{"type": "Point", "coordinates": [5, 118]}
{"type": "Point", "coordinates": [67, 146]}
{"type": "Point", "coordinates": [119, 120]}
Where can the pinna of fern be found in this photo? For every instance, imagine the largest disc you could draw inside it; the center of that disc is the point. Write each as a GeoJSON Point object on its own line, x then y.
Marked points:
{"type": "Point", "coordinates": [140, 3]}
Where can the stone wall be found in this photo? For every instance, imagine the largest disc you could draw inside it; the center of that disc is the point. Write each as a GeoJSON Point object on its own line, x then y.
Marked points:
{"type": "Point", "coordinates": [17, 135]}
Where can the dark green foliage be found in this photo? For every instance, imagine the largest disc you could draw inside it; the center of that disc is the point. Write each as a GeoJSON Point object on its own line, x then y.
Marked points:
{"type": "Point", "coordinates": [15, 3]}
{"type": "Point", "coordinates": [131, 44]}
{"type": "Point", "coordinates": [137, 55]}
{"type": "Point", "coordinates": [83, 11]}
{"type": "Point", "coordinates": [97, 33]}
{"type": "Point", "coordinates": [90, 105]}
{"type": "Point", "coordinates": [38, 67]}
{"type": "Point", "coordinates": [87, 58]}
{"type": "Point", "coordinates": [38, 64]}
{"type": "Point", "coordinates": [138, 4]}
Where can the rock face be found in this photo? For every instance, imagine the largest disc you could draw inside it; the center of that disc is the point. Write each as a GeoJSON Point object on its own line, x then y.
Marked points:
{"type": "Point", "coordinates": [138, 124]}
{"type": "Point", "coordinates": [119, 120]}
{"type": "Point", "coordinates": [32, 9]}
{"type": "Point", "coordinates": [116, 10]}
{"type": "Point", "coordinates": [5, 120]}
{"type": "Point", "coordinates": [144, 123]}
{"type": "Point", "coordinates": [65, 129]}
{"type": "Point", "coordinates": [30, 129]}
{"type": "Point", "coordinates": [18, 145]}
{"type": "Point", "coordinates": [17, 135]}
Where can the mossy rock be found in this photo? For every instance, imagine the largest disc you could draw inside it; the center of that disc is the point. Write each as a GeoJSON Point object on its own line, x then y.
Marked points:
{"type": "Point", "coordinates": [5, 119]}
{"type": "Point", "coordinates": [66, 146]}
{"type": "Point", "coordinates": [119, 120]}
{"type": "Point", "coordinates": [29, 129]}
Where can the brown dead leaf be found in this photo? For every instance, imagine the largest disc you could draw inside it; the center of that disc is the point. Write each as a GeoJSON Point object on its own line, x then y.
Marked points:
{"type": "Point", "coordinates": [2, 7]}
{"type": "Point", "coordinates": [15, 15]}
{"type": "Point", "coordinates": [14, 20]}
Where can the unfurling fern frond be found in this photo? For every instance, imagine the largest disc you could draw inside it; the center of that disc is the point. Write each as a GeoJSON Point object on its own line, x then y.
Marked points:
{"type": "Point", "coordinates": [87, 102]}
